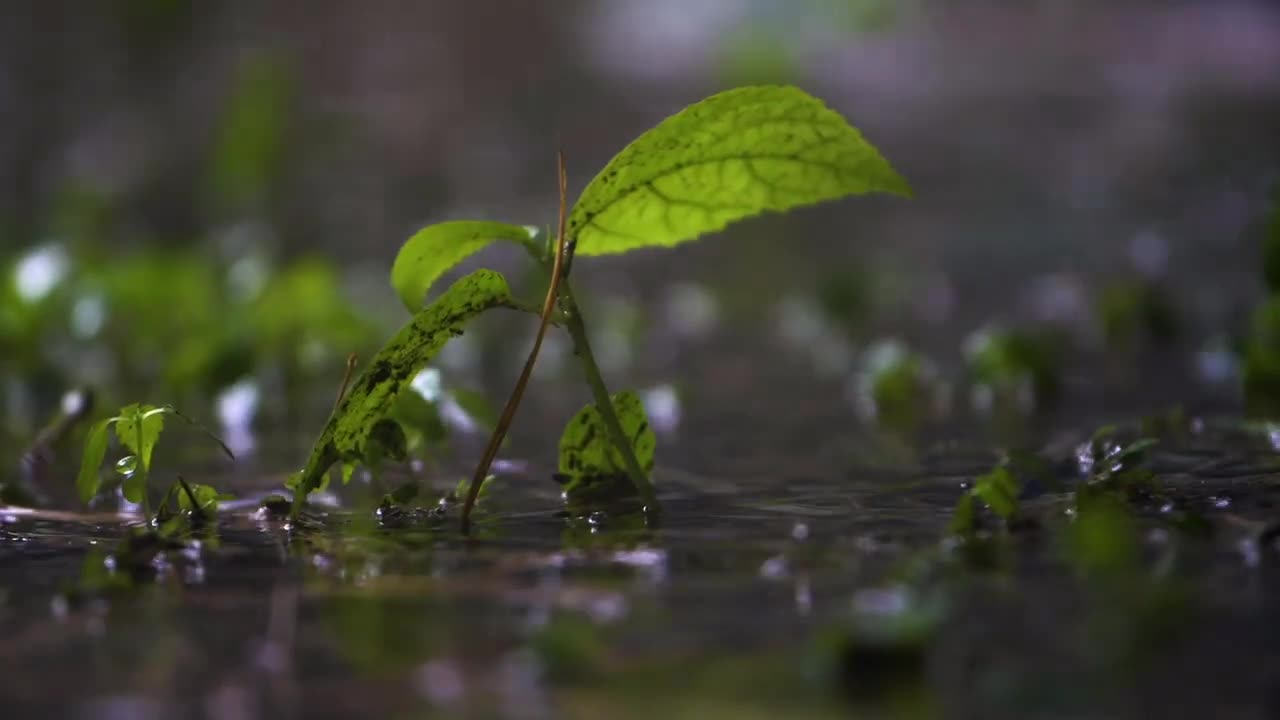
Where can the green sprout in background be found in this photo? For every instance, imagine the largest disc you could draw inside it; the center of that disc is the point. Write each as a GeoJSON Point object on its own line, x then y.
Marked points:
{"type": "Point", "coordinates": [138, 429]}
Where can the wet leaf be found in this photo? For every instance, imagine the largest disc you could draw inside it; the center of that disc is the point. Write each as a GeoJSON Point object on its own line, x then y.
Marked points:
{"type": "Point", "coordinates": [138, 428]}
{"type": "Point", "coordinates": [999, 490]}
{"type": "Point", "coordinates": [464, 486]}
{"type": "Point", "coordinates": [733, 155]}
{"type": "Point", "coordinates": [585, 448]}
{"type": "Point", "coordinates": [374, 392]}
{"type": "Point", "coordinates": [435, 249]}
{"type": "Point", "coordinates": [202, 499]}
{"type": "Point", "coordinates": [95, 450]}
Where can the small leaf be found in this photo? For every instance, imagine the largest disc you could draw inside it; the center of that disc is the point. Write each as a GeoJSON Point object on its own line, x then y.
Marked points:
{"type": "Point", "coordinates": [374, 392]}
{"type": "Point", "coordinates": [95, 449]}
{"type": "Point", "coordinates": [436, 248]}
{"type": "Point", "coordinates": [138, 429]}
{"type": "Point", "coordinates": [999, 490]}
{"type": "Point", "coordinates": [206, 499]}
{"type": "Point", "coordinates": [585, 449]}
{"type": "Point", "coordinates": [464, 486]}
{"type": "Point", "coordinates": [735, 154]}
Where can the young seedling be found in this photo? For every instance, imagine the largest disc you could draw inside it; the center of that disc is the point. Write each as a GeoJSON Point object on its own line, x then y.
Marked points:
{"type": "Point", "coordinates": [138, 429]}
{"type": "Point", "coordinates": [734, 155]}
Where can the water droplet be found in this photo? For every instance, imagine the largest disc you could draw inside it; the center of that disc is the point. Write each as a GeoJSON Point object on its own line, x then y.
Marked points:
{"type": "Point", "coordinates": [127, 465]}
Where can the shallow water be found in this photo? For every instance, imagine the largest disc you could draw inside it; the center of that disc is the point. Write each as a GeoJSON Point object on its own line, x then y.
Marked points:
{"type": "Point", "coordinates": [727, 605]}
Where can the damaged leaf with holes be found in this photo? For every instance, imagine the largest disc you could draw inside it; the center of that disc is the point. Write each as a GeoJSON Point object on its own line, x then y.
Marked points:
{"type": "Point", "coordinates": [357, 425]}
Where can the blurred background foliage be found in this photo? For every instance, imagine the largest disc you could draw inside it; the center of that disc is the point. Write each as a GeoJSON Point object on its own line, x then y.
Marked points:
{"type": "Point", "coordinates": [201, 198]}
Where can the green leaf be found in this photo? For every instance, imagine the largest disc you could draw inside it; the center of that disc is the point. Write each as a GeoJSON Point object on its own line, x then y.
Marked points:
{"type": "Point", "coordinates": [999, 490]}
{"type": "Point", "coordinates": [964, 520]}
{"type": "Point", "coordinates": [464, 487]}
{"type": "Point", "coordinates": [736, 154]}
{"type": "Point", "coordinates": [374, 392]}
{"type": "Point", "coordinates": [138, 428]}
{"type": "Point", "coordinates": [206, 500]}
{"type": "Point", "coordinates": [585, 448]}
{"type": "Point", "coordinates": [436, 248]}
{"type": "Point", "coordinates": [95, 449]}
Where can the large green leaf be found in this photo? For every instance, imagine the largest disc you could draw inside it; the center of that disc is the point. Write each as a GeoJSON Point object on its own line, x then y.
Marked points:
{"type": "Point", "coordinates": [372, 396]}
{"type": "Point", "coordinates": [436, 248]}
{"type": "Point", "coordinates": [585, 448]}
{"type": "Point", "coordinates": [736, 154]}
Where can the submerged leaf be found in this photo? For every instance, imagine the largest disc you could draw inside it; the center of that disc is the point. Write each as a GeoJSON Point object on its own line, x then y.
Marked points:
{"type": "Point", "coordinates": [374, 392]}
{"type": "Point", "coordinates": [585, 448]}
{"type": "Point", "coordinates": [95, 449]}
{"type": "Point", "coordinates": [436, 248]}
{"type": "Point", "coordinates": [735, 154]}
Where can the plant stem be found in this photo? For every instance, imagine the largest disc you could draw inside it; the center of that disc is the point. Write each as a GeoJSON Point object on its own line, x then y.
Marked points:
{"type": "Point", "coordinates": [544, 319]}
{"type": "Point", "coordinates": [600, 392]}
